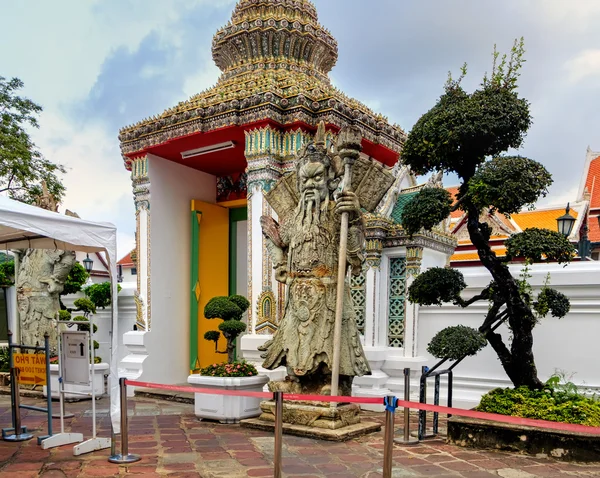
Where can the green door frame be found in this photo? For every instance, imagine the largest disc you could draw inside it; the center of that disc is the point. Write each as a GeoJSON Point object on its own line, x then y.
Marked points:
{"type": "Point", "coordinates": [235, 215]}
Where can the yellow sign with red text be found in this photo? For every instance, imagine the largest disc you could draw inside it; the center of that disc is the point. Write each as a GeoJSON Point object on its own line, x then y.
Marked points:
{"type": "Point", "coordinates": [32, 368]}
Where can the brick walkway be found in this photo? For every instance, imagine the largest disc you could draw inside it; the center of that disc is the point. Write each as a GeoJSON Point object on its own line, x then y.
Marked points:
{"type": "Point", "coordinates": [173, 442]}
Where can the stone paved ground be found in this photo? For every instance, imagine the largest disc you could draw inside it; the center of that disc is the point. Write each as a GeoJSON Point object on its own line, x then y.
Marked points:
{"type": "Point", "coordinates": [173, 442]}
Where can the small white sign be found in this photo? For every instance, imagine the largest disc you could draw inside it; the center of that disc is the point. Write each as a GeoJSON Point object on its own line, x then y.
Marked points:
{"type": "Point", "coordinates": [75, 359]}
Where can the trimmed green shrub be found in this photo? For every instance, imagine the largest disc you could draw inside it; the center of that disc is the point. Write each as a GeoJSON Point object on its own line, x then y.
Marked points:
{"type": "Point", "coordinates": [550, 403]}
{"type": "Point", "coordinates": [455, 342]}
{"type": "Point", "coordinates": [231, 311]}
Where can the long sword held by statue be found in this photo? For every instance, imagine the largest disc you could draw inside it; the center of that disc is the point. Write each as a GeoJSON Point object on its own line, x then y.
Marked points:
{"type": "Point", "coordinates": [349, 147]}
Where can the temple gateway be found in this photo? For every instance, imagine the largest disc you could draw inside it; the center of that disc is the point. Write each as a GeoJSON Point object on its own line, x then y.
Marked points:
{"type": "Point", "coordinates": [200, 172]}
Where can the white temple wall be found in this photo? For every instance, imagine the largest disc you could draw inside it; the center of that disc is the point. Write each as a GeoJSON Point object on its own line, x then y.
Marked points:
{"type": "Point", "coordinates": [167, 341]}
{"type": "Point", "coordinates": [569, 344]}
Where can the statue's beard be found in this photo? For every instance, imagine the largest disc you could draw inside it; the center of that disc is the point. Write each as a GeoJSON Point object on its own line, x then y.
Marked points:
{"type": "Point", "coordinates": [310, 211]}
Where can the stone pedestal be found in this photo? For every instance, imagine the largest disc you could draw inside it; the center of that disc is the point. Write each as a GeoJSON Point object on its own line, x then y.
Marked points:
{"type": "Point", "coordinates": [324, 422]}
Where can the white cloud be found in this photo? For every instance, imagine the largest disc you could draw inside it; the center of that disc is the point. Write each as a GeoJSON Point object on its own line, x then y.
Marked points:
{"type": "Point", "coordinates": [585, 64]}
{"type": "Point", "coordinates": [98, 187]}
{"type": "Point", "coordinates": [203, 79]}
{"type": "Point", "coordinates": [576, 15]}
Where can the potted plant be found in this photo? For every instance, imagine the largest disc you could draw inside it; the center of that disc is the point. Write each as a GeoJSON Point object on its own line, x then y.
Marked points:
{"type": "Point", "coordinates": [231, 375]}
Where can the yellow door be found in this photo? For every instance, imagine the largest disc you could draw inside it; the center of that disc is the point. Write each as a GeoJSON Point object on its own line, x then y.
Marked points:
{"type": "Point", "coordinates": [212, 276]}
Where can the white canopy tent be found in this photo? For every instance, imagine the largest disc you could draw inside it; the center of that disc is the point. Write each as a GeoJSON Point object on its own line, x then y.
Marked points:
{"type": "Point", "coordinates": [28, 227]}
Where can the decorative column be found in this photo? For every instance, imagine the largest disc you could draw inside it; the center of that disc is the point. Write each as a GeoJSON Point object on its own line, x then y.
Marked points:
{"type": "Point", "coordinates": [141, 193]}
{"type": "Point", "coordinates": [414, 256]}
{"type": "Point", "coordinates": [372, 286]}
{"type": "Point", "coordinates": [373, 385]}
{"type": "Point", "coordinates": [132, 364]}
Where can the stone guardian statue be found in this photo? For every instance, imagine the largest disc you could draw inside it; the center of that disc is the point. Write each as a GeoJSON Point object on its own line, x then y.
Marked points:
{"type": "Point", "coordinates": [304, 248]}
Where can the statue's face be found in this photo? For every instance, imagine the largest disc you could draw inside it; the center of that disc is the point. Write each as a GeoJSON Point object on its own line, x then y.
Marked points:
{"type": "Point", "coordinates": [313, 181]}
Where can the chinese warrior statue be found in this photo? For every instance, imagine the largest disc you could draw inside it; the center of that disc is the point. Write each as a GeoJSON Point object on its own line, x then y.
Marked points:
{"type": "Point", "coordinates": [304, 248]}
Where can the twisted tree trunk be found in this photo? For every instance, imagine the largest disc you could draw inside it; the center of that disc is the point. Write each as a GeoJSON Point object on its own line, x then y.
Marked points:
{"type": "Point", "coordinates": [518, 361]}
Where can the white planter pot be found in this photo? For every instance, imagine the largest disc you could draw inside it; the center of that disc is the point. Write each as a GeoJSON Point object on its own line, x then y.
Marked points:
{"type": "Point", "coordinates": [227, 409]}
{"type": "Point", "coordinates": [100, 370]}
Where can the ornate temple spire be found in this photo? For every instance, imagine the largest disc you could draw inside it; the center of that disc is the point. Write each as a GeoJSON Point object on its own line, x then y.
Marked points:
{"type": "Point", "coordinates": [273, 34]}
{"type": "Point", "coordinates": [275, 58]}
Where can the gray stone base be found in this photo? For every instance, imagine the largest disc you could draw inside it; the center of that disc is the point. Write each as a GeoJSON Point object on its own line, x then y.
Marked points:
{"type": "Point", "coordinates": [566, 446]}
{"type": "Point", "coordinates": [339, 434]}
{"type": "Point", "coordinates": [315, 416]}
{"type": "Point", "coordinates": [320, 421]}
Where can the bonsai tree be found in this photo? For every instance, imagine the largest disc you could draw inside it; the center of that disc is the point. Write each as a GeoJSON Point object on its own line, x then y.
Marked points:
{"type": "Point", "coordinates": [100, 294]}
{"type": "Point", "coordinates": [467, 134]}
{"type": "Point", "coordinates": [230, 310]}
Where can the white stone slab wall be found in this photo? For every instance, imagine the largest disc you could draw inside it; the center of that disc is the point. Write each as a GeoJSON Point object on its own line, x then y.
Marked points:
{"type": "Point", "coordinates": [569, 344]}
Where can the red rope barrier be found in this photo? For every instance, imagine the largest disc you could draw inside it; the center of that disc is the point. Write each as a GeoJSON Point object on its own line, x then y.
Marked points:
{"type": "Point", "coordinates": [207, 391]}
{"type": "Point", "coordinates": [569, 427]}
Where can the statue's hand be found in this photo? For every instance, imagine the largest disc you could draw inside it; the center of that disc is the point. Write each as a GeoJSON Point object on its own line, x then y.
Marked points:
{"type": "Point", "coordinates": [347, 202]}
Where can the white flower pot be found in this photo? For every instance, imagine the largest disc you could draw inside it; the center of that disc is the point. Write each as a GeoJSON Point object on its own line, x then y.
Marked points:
{"type": "Point", "coordinates": [100, 370]}
{"type": "Point", "coordinates": [227, 409]}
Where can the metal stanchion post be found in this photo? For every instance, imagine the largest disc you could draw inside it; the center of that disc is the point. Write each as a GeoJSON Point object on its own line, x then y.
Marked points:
{"type": "Point", "coordinates": [406, 439]}
{"type": "Point", "coordinates": [388, 437]}
{"type": "Point", "coordinates": [124, 457]}
{"type": "Point", "coordinates": [278, 397]}
{"type": "Point", "coordinates": [19, 433]}
{"type": "Point", "coordinates": [40, 439]}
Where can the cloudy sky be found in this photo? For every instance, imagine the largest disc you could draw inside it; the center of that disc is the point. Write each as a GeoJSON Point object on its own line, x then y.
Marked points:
{"type": "Point", "coordinates": [98, 65]}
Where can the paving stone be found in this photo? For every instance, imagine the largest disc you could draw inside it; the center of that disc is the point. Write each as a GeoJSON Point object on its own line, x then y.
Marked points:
{"type": "Point", "coordinates": [181, 458]}
{"type": "Point", "coordinates": [512, 473]}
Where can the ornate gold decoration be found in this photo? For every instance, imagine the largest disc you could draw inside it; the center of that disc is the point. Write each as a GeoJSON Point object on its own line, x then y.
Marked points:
{"type": "Point", "coordinates": [266, 312]}
{"type": "Point", "coordinates": [414, 256]}
{"type": "Point", "coordinates": [275, 58]}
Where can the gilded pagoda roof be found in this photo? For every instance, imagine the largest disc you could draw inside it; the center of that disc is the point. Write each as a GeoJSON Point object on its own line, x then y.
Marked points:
{"type": "Point", "coordinates": [275, 58]}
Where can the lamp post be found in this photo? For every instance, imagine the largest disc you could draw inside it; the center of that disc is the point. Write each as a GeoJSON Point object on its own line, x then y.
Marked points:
{"type": "Point", "coordinates": [565, 225]}
{"type": "Point", "coordinates": [565, 222]}
{"type": "Point", "coordinates": [88, 264]}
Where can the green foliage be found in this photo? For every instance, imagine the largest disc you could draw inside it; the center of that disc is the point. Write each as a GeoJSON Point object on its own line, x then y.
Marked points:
{"type": "Point", "coordinates": [4, 359]}
{"type": "Point", "coordinates": [84, 327]}
{"type": "Point", "coordinates": [231, 311]}
{"type": "Point", "coordinates": [76, 278]}
{"type": "Point", "coordinates": [100, 294]}
{"type": "Point", "coordinates": [426, 210]}
{"type": "Point", "coordinates": [509, 183]}
{"type": "Point", "coordinates": [232, 328]}
{"type": "Point", "coordinates": [455, 342]}
{"type": "Point", "coordinates": [212, 336]}
{"type": "Point", "coordinates": [7, 274]}
{"type": "Point", "coordinates": [234, 369]}
{"type": "Point", "coordinates": [64, 315]}
{"type": "Point", "coordinates": [22, 166]}
{"type": "Point", "coordinates": [241, 302]}
{"type": "Point", "coordinates": [550, 300]}
{"type": "Point", "coordinates": [557, 404]}
{"type": "Point", "coordinates": [534, 244]}
{"type": "Point", "coordinates": [222, 308]}
{"type": "Point", "coordinates": [85, 305]}
{"type": "Point", "coordinates": [435, 286]}
{"type": "Point", "coordinates": [462, 130]}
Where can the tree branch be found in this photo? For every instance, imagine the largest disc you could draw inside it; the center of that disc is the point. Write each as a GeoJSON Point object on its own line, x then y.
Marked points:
{"type": "Point", "coordinates": [485, 295]}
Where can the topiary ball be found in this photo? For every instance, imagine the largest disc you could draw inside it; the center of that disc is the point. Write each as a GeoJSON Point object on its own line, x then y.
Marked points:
{"type": "Point", "coordinates": [456, 342]}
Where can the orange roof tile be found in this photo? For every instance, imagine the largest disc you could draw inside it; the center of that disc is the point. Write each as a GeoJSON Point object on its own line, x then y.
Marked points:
{"type": "Point", "coordinates": [592, 182]}
{"type": "Point", "coordinates": [453, 190]}
{"type": "Point", "coordinates": [543, 219]}
{"type": "Point", "coordinates": [127, 260]}
{"type": "Point", "coordinates": [473, 256]}
{"type": "Point", "coordinates": [594, 229]}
